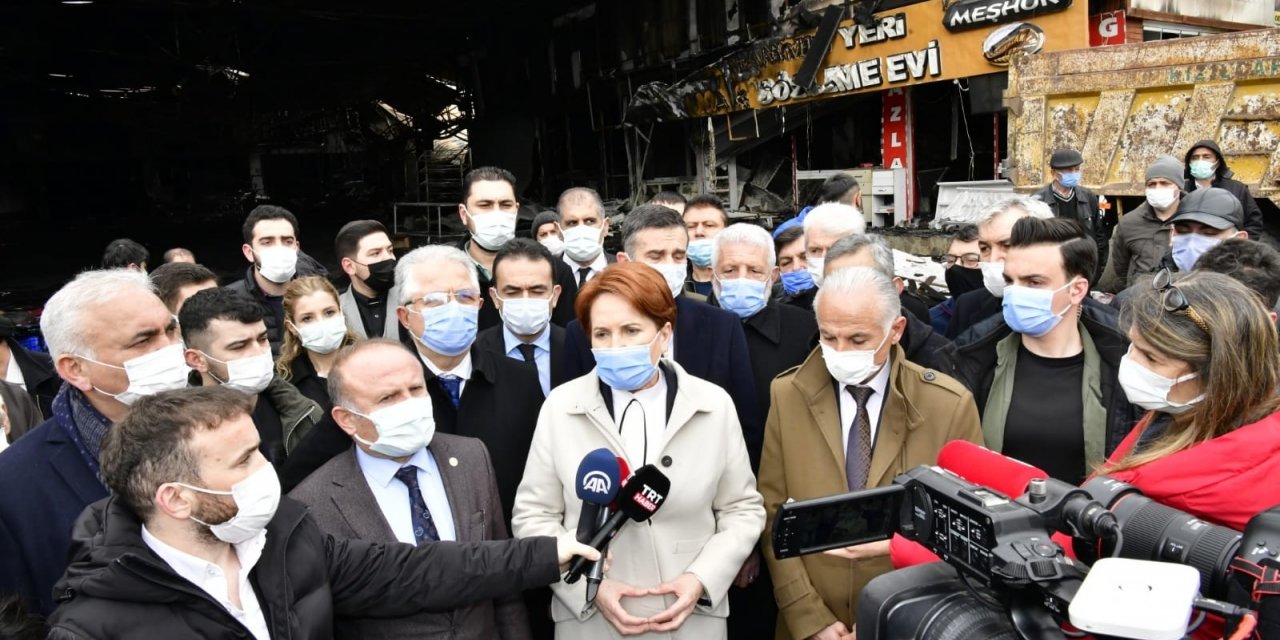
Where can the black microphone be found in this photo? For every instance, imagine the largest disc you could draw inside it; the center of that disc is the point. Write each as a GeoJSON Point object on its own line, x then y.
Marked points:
{"type": "Point", "coordinates": [596, 574]}
{"type": "Point", "coordinates": [638, 500]}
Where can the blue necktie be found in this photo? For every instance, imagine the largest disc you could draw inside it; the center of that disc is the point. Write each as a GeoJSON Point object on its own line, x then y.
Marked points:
{"type": "Point", "coordinates": [424, 528]}
{"type": "Point", "coordinates": [452, 384]}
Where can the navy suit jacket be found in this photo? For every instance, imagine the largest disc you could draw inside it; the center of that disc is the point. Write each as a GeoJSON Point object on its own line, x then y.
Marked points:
{"type": "Point", "coordinates": [711, 345]}
{"type": "Point", "coordinates": [44, 485]}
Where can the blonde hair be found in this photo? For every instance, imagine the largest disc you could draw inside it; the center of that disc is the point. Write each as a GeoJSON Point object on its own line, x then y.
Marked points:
{"type": "Point", "coordinates": [292, 349]}
{"type": "Point", "coordinates": [1228, 339]}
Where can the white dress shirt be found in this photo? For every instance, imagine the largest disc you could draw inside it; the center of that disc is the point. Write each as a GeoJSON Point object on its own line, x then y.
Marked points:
{"type": "Point", "coordinates": [13, 374]}
{"type": "Point", "coordinates": [541, 354]}
{"type": "Point", "coordinates": [209, 577]}
{"type": "Point", "coordinates": [879, 383]}
{"type": "Point", "coordinates": [641, 417]}
{"type": "Point", "coordinates": [393, 496]}
{"type": "Point", "coordinates": [596, 265]}
{"type": "Point", "coordinates": [463, 371]}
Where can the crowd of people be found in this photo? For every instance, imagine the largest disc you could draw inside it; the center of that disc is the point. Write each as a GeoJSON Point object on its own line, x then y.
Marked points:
{"type": "Point", "coordinates": [393, 452]}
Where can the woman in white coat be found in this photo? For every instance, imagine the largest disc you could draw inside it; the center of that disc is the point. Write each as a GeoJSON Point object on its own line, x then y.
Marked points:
{"type": "Point", "coordinates": [669, 578]}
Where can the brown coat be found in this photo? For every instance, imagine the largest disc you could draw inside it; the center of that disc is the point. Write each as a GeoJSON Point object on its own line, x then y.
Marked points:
{"type": "Point", "coordinates": [803, 458]}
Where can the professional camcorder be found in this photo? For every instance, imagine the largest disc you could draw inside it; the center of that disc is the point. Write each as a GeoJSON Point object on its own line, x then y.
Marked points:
{"type": "Point", "coordinates": [1005, 577]}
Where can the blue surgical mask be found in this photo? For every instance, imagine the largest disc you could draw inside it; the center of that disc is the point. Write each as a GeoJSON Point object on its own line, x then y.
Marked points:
{"type": "Point", "coordinates": [626, 368]}
{"type": "Point", "coordinates": [1070, 179]}
{"type": "Point", "coordinates": [450, 329]}
{"type": "Point", "coordinates": [1030, 311]}
{"type": "Point", "coordinates": [743, 296]}
{"type": "Point", "coordinates": [794, 282]}
{"type": "Point", "coordinates": [1203, 169]}
{"type": "Point", "coordinates": [1188, 247]}
{"type": "Point", "coordinates": [699, 252]}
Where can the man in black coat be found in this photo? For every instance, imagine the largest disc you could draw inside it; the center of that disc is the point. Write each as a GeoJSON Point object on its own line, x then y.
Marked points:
{"type": "Point", "coordinates": [1067, 198]}
{"type": "Point", "coordinates": [525, 292]}
{"type": "Point", "coordinates": [489, 209]}
{"type": "Point", "coordinates": [1211, 170]}
{"type": "Point", "coordinates": [197, 542]}
{"type": "Point", "coordinates": [473, 392]}
{"type": "Point", "coordinates": [919, 342]}
{"type": "Point", "coordinates": [27, 369]}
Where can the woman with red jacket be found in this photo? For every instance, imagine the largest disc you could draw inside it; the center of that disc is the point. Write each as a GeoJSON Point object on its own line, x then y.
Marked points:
{"type": "Point", "coordinates": [1204, 362]}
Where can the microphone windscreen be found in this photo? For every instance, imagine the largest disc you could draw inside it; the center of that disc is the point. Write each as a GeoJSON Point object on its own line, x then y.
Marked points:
{"type": "Point", "coordinates": [598, 477]}
{"type": "Point", "coordinates": [983, 466]}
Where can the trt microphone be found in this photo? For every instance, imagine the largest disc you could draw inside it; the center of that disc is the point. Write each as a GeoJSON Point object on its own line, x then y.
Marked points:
{"type": "Point", "coordinates": [638, 500]}
{"type": "Point", "coordinates": [983, 466]}
{"type": "Point", "coordinates": [597, 485]}
{"type": "Point", "coordinates": [595, 575]}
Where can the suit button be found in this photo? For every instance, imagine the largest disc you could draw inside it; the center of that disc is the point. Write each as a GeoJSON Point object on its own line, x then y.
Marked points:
{"type": "Point", "coordinates": [666, 461]}
{"type": "Point", "coordinates": [929, 375]}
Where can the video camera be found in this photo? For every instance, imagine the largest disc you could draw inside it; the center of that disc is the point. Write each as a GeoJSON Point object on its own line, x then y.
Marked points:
{"type": "Point", "coordinates": [1005, 577]}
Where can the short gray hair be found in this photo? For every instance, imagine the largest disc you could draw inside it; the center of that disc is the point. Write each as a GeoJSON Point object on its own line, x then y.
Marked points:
{"type": "Point", "coordinates": [581, 195]}
{"type": "Point", "coordinates": [1025, 205]}
{"type": "Point", "coordinates": [746, 234]}
{"type": "Point", "coordinates": [835, 219]}
{"type": "Point", "coordinates": [61, 323]}
{"type": "Point", "coordinates": [424, 255]}
{"type": "Point", "coordinates": [881, 254]}
{"type": "Point", "coordinates": [851, 283]}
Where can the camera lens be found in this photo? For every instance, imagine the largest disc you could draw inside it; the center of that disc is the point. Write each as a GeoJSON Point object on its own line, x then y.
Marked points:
{"type": "Point", "coordinates": [1152, 531]}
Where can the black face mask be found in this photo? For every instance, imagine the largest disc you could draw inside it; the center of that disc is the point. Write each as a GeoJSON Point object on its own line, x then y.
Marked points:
{"type": "Point", "coordinates": [382, 275]}
{"type": "Point", "coordinates": [963, 280]}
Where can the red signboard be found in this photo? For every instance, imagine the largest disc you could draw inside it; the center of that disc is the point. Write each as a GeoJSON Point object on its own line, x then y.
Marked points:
{"type": "Point", "coordinates": [896, 148]}
{"type": "Point", "coordinates": [1106, 29]}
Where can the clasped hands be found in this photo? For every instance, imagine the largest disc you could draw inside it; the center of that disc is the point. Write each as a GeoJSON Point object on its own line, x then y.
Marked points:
{"type": "Point", "coordinates": [686, 588]}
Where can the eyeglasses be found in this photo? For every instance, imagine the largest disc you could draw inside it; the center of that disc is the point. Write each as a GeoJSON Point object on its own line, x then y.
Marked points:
{"type": "Point", "coordinates": [969, 260]}
{"type": "Point", "coordinates": [435, 299]}
{"type": "Point", "coordinates": [1174, 300]}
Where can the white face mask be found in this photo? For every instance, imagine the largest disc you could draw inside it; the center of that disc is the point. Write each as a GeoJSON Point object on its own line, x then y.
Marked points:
{"type": "Point", "coordinates": [324, 336]}
{"type": "Point", "coordinates": [1150, 390]}
{"type": "Point", "coordinates": [403, 428]}
{"type": "Point", "coordinates": [250, 374]}
{"type": "Point", "coordinates": [674, 274]}
{"type": "Point", "coordinates": [855, 367]}
{"type": "Point", "coordinates": [993, 277]}
{"type": "Point", "coordinates": [526, 316]}
{"type": "Point", "coordinates": [1161, 198]}
{"type": "Point", "coordinates": [277, 264]}
{"type": "Point", "coordinates": [815, 266]}
{"type": "Point", "coordinates": [582, 243]}
{"type": "Point", "coordinates": [256, 498]}
{"type": "Point", "coordinates": [493, 228]}
{"type": "Point", "coordinates": [161, 370]}
{"type": "Point", "coordinates": [553, 244]}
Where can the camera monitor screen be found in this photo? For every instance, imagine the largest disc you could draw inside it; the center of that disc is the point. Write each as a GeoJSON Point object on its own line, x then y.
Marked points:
{"type": "Point", "coordinates": [810, 526]}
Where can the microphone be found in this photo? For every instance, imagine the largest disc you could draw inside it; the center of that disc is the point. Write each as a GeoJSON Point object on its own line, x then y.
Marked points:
{"type": "Point", "coordinates": [597, 486]}
{"type": "Point", "coordinates": [596, 574]}
{"type": "Point", "coordinates": [638, 500]}
{"type": "Point", "coordinates": [980, 465]}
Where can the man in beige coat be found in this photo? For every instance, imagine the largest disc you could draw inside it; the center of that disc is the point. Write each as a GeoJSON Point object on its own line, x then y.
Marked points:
{"type": "Point", "coordinates": [854, 415]}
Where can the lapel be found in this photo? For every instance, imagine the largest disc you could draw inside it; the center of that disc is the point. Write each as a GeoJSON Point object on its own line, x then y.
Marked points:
{"type": "Point", "coordinates": [688, 335]}
{"type": "Point", "coordinates": [815, 385]}
{"type": "Point", "coordinates": [898, 415]}
{"type": "Point", "coordinates": [390, 321]}
{"type": "Point", "coordinates": [355, 502]}
{"type": "Point", "coordinates": [73, 470]}
{"type": "Point", "coordinates": [768, 323]}
{"type": "Point", "coordinates": [347, 301]}
{"type": "Point", "coordinates": [591, 405]}
{"type": "Point", "coordinates": [685, 406]}
{"type": "Point", "coordinates": [557, 348]}
{"type": "Point", "coordinates": [457, 487]}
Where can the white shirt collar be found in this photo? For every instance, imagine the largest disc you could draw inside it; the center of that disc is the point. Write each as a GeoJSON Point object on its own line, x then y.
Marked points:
{"type": "Point", "coordinates": [383, 470]}
{"type": "Point", "coordinates": [196, 570]}
{"type": "Point", "coordinates": [14, 373]}
{"type": "Point", "coordinates": [463, 370]}
{"type": "Point", "coordinates": [880, 381]}
{"type": "Point", "coordinates": [510, 341]}
{"type": "Point", "coordinates": [596, 265]}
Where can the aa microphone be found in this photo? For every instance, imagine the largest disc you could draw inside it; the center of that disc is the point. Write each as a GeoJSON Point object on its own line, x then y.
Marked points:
{"type": "Point", "coordinates": [597, 485]}
{"type": "Point", "coordinates": [980, 465]}
{"type": "Point", "coordinates": [638, 500]}
{"type": "Point", "coordinates": [595, 575]}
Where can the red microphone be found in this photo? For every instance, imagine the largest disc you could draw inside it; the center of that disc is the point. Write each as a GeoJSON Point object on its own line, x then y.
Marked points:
{"type": "Point", "coordinates": [978, 465]}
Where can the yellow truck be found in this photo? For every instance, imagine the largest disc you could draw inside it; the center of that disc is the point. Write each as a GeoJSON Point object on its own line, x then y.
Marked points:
{"type": "Point", "coordinates": [1122, 106]}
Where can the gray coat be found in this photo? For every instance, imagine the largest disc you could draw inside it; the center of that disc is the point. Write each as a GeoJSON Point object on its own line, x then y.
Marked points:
{"type": "Point", "coordinates": [342, 504]}
{"type": "Point", "coordinates": [350, 311]}
{"type": "Point", "coordinates": [1140, 241]}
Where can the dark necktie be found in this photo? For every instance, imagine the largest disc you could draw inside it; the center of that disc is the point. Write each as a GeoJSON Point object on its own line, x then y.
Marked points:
{"type": "Point", "coordinates": [424, 528]}
{"type": "Point", "coordinates": [526, 351]}
{"type": "Point", "coordinates": [857, 455]}
{"type": "Point", "coordinates": [452, 384]}
{"type": "Point", "coordinates": [583, 272]}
